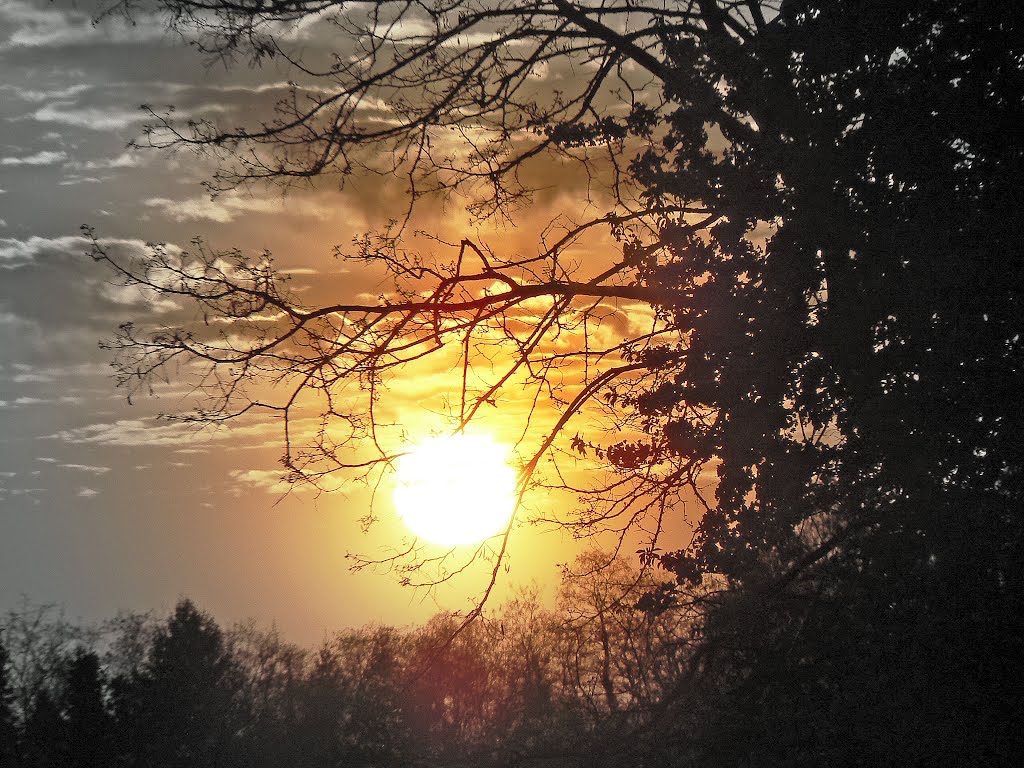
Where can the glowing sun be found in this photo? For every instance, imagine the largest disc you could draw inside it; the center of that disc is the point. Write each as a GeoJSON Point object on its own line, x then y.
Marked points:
{"type": "Point", "coordinates": [455, 489]}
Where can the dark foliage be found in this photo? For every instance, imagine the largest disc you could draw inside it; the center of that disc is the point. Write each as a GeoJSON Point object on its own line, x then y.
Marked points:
{"type": "Point", "coordinates": [516, 688]}
{"type": "Point", "coordinates": [828, 237]}
{"type": "Point", "coordinates": [8, 734]}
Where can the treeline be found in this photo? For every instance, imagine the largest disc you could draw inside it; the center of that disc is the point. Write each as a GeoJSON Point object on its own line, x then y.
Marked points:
{"type": "Point", "coordinates": [842, 670]}
{"type": "Point", "coordinates": [526, 684]}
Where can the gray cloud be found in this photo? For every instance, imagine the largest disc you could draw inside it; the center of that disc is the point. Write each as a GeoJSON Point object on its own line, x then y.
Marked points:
{"type": "Point", "coordinates": [91, 118]}
{"type": "Point", "coordinates": [123, 160]}
{"type": "Point", "coordinates": [38, 95]}
{"type": "Point", "coordinates": [43, 157]}
{"type": "Point", "coordinates": [32, 26]}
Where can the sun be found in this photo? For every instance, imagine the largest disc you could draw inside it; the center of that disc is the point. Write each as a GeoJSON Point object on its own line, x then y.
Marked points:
{"type": "Point", "coordinates": [455, 489]}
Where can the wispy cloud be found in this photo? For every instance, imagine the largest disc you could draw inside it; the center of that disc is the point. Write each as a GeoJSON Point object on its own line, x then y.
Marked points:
{"type": "Point", "coordinates": [270, 480]}
{"type": "Point", "coordinates": [228, 206]}
{"type": "Point", "coordinates": [87, 492]}
{"type": "Point", "coordinates": [36, 95]}
{"type": "Point", "coordinates": [93, 118]}
{"type": "Point", "coordinates": [157, 432]}
{"type": "Point", "coordinates": [123, 160]}
{"type": "Point", "coordinates": [128, 432]}
{"type": "Point", "coordinates": [224, 208]}
{"type": "Point", "coordinates": [16, 252]}
{"type": "Point", "coordinates": [43, 157]}
{"type": "Point", "coordinates": [20, 402]}
{"type": "Point", "coordinates": [32, 26]}
{"type": "Point", "coordinates": [85, 468]}
{"type": "Point", "coordinates": [22, 373]}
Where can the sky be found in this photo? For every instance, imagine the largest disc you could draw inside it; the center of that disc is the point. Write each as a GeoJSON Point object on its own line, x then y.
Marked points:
{"type": "Point", "coordinates": [103, 506]}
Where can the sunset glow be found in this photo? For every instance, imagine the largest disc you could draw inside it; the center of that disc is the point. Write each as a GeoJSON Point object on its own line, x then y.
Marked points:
{"type": "Point", "coordinates": [455, 489]}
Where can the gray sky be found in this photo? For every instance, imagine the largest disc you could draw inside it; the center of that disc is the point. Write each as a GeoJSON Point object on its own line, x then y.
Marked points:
{"type": "Point", "coordinates": [102, 506]}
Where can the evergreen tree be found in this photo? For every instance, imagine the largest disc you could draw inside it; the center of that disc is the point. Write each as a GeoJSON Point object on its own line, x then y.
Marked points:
{"type": "Point", "coordinates": [44, 734]}
{"type": "Point", "coordinates": [89, 724]}
{"type": "Point", "coordinates": [181, 710]}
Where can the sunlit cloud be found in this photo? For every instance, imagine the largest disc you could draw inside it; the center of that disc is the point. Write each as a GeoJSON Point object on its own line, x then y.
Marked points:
{"type": "Point", "coordinates": [86, 468]}
{"type": "Point", "coordinates": [229, 206]}
{"type": "Point", "coordinates": [128, 433]}
{"type": "Point", "coordinates": [87, 492]}
{"type": "Point", "coordinates": [155, 432]}
{"type": "Point", "coordinates": [271, 481]}
{"type": "Point", "coordinates": [137, 296]}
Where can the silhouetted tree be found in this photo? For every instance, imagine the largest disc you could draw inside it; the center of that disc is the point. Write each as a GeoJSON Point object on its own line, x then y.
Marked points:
{"type": "Point", "coordinates": [180, 710]}
{"type": "Point", "coordinates": [8, 731]}
{"type": "Point", "coordinates": [44, 741]}
{"type": "Point", "coordinates": [350, 704]}
{"type": "Point", "coordinates": [89, 725]}
{"type": "Point", "coordinates": [818, 215]}
{"type": "Point", "coordinates": [271, 697]}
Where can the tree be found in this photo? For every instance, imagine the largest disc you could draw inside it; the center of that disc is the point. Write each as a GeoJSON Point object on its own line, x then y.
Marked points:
{"type": "Point", "coordinates": [181, 709]}
{"type": "Point", "coordinates": [350, 710]}
{"type": "Point", "coordinates": [8, 731]}
{"type": "Point", "coordinates": [818, 219]}
{"type": "Point", "coordinates": [89, 725]}
{"type": "Point", "coordinates": [44, 741]}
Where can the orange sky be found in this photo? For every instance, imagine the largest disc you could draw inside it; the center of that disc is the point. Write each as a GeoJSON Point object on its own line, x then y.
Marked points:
{"type": "Point", "coordinates": [103, 507]}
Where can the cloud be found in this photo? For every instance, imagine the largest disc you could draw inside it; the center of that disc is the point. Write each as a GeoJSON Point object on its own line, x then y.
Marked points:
{"type": "Point", "coordinates": [16, 252]}
{"type": "Point", "coordinates": [18, 402]}
{"type": "Point", "coordinates": [124, 160]}
{"type": "Point", "coordinates": [33, 95]}
{"type": "Point", "coordinates": [137, 296]}
{"type": "Point", "coordinates": [87, 492]}
{"type": "Point", "coordinates": [128, 432]}
{"type": "Point", "coordinates": [44, 157]}
{"type": "Point", "coordinates": [93, 118]}
{"type": "Point", "coordinates": [153, 432]}
{"type": "Point", "coordinates": [22, 491]}
{"type": "Point", "coordinates": [228, 206]}
{"type": "Point", "coordinates": [270, 480]}
{"type": "Point", "coordinates": [48, 27]}
{"type": "Point", "coordinates": [33, 374]}
{"type": "Point", "coordinates": [85, 468]}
